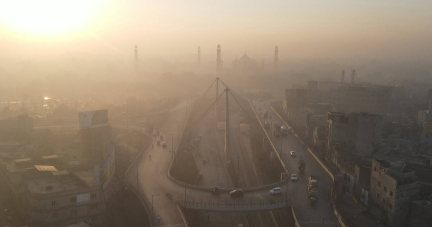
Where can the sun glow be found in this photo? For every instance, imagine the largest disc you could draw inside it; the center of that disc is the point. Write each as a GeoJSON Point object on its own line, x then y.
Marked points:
{"type": "Point", "coordinates": [46, 16]}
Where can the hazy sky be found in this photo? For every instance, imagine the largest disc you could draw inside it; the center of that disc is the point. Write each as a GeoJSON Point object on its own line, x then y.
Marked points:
{"type": "Point", "coordinates": [301, 29]}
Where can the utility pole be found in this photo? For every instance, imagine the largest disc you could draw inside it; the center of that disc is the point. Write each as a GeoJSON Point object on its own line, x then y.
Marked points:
{"type": "Point", "coordinates": [217, 94]}
{"type": "Point", "coordinates": [185, 192]}
{"type": "Point", "coordinates": [238, 170]}
{"type": "Point", "coordinates": [172, 144]}
{"type": "Point", "coordinates": [227, 131]}
{"type": "Point", "coordinates": [152, 208]}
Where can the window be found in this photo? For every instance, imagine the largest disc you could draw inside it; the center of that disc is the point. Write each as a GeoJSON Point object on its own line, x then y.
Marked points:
{"type": "Point", "coordinates": [384, 200]}
{"type": "Point", "coordinates": [385, 189]}
{"type": "Point", "coordinates": [378, 195]}
{"type": "Point", "coordinates": [53, 203]}
{"type": "Point", "coordinates": [93, 195]}
{"type": "Point", "coordinates": [391, 193]}
{"type": "Point", "coordinates": [55, 215]}
{"type": "Point", "coordinates": [74, 212]}
{"type": "Point", "coordinates": [73, 199]}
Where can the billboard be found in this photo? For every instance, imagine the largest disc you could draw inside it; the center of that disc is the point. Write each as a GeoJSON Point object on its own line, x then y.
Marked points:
{"type": "Point", "coordinates": [108, 169]}
{"type": "Point", "coordinates": [93, 119]}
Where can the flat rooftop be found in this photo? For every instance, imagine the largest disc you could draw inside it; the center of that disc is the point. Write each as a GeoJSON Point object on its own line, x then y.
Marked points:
{"type": "Point", "coordinates": [60, 181]}
{"type": "Point", "coordinates": [51, 184]}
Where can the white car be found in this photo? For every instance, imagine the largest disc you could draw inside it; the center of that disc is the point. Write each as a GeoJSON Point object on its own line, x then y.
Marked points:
{"type": "Point", "coordinates": [294, 177]}
{"type": "Point", "coordinates": [293, 153]}
{"type": "Point", "coordinates": [275, 191]}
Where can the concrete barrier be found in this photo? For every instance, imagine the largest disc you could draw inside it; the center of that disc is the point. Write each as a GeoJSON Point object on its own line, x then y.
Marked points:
{"type": "Point", "coordinates": [297, 224]}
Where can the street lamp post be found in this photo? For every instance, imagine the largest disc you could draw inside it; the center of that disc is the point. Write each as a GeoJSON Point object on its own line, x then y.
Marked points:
{"type": "Point", "coordinates": [172, 144]}
{"type": "Point", "coordinates": [178, 132]}
{"type": "Point", "coordinates": [152, 207]}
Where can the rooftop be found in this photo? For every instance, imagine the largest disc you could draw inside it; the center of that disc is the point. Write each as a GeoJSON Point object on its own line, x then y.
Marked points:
{"type": "Point", "coordinates": [52, 184]}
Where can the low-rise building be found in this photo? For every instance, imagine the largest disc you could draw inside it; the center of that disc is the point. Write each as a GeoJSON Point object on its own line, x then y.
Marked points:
{"type": "Point", "coordinates": [421, 213]}
{"type": "Point", "coordinates": [59, 198]}
{"type": "Point", "coordinates": [392, 189]}
{"type": "Point", "coordinates": [362, 180]}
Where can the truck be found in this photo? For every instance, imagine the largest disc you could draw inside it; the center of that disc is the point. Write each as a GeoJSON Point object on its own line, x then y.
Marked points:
{"type": "Point", "coordinates": [312, 188]}
{"type": "Point", "coordinates": [301, 165]}
{"type": "Point", "coordinates": [276, 130]}
{"type": "Point", "coordinates": [284, 130]}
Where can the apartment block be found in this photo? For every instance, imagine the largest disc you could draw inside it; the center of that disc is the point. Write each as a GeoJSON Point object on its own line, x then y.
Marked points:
{"type": "Point", "coordinates": [59, 198]}
{"type": "Point", "coordinates": [392, 189]}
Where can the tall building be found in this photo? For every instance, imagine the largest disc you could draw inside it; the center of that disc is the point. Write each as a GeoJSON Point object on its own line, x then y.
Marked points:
{"type": "Point", "coordinates": [199, 55]}
{"type": "Point", "coordinates": [136, 59]}
{"type": "Point", "coordinates": [276, 57]}
{"type": "Point", "coordinates": [218, 61]}
{"type": "Point", "coordinates": [95, 135]}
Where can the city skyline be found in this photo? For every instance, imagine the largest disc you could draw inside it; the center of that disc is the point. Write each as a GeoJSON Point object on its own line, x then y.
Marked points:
{"type": "Point", "coordinates": [339, 29]}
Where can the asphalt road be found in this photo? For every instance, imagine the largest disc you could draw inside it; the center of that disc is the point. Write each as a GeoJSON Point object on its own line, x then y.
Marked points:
{"type": "Point", "coordinates": [308, 216]}
{"type": "Point", "coordinates": [152, 180]}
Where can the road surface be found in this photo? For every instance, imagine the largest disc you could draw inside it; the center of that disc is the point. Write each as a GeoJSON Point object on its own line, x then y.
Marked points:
{"type": "Point", "coordinates": [308, 216]}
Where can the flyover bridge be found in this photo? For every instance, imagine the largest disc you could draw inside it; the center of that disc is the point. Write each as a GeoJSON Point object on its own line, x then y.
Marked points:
{"type": "Point", "coordinates": [234, 207]}
{"type": "Point", "coordinates": [151, 177]}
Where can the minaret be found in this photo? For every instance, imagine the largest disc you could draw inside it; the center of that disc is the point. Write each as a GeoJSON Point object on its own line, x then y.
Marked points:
{"type": "Point", "coordinates": [343, 76]}
{"type": "Point", "coordinates": [276, 58]}
{"type": "Point", "coordinates": [136, 59]}
{"type": "Point", "coordinates": [199, 55]}
{"type": "Point", "coordinates": [353, 76]}
{"type": "Point", "coordinates": [218, 61]}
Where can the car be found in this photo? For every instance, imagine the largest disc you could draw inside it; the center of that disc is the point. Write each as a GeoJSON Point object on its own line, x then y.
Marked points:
{"type": "Point", "coordinates": [293, 153]}
{"type": "Point", "coordinates": [294, 177]}
{"type": "Point", "coordinates": [215, 190]}
{"type": "Point", "coordinates": [276, 191]}
{"type": "Point", "coordinates": [236, 193]}
{"type": "Point", "coordinates": [164, 144]}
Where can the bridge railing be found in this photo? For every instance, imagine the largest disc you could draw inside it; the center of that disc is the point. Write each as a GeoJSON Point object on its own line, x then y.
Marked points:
{"type": "Point", "coordinates": [233, 206]}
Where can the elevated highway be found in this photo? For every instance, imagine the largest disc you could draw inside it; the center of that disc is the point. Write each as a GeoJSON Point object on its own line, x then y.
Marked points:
{"type": "Point", "coordinates": [308, 216]}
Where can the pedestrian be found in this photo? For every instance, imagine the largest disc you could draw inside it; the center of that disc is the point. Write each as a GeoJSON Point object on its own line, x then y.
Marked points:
{"type": "Point", "coordinates": [158, 219]}
{"type": "Point", "coordinates": [208, 218]}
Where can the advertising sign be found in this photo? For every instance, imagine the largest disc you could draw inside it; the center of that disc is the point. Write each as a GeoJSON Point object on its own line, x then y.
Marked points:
{"type": "Point", "coordinates": [93, 119]}
{"type": "Point", "coordinates": [82, 198]}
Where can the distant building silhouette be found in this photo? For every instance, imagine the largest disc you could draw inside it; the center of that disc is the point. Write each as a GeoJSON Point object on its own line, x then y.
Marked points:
{"type": "Point", "coordinates": [245, 65]}
{"type": "Point", "coordinates": [218, 61]}
{"type": "Point", "coordinates": [199, 55]}
{"type": "Point", "coordinates": [276, 57]}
